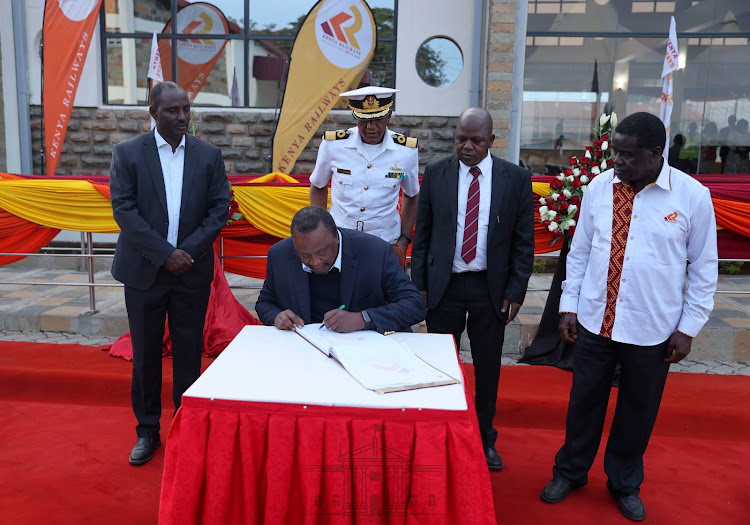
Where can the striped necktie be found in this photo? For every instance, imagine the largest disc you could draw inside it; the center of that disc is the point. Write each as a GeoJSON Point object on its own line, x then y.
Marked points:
{"type": "Point", "coordinates": [471, 222]}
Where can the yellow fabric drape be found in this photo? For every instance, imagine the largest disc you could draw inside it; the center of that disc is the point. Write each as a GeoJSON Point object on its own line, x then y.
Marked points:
{"type": "Point", "coordinates": [66, 205]}
{"type": "Point", "coordinates": [275, 176]}
{"type": "Point", "coordinates": [541, 188]}
{"type": "Point", "coordinates": [271, 208]}
{"type": "Point", "coordinates": [75, 205]}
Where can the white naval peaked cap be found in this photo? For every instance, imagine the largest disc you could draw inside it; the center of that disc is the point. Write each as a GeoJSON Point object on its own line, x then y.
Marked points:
{"type": "Point", "coordinates": [376, 91]}
{"type": "Point", "coordinates": [370, 102]}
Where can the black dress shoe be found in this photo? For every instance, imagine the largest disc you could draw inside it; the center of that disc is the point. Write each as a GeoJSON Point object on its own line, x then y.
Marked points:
{"type": "Point", "coordinates": [494, 461]}
{"type": "Point", "coordinates": [143, 450]}
{"type": "Point", "coordinates": [556, 490]}
{"type": "Point", "coordinates": [632, 507]}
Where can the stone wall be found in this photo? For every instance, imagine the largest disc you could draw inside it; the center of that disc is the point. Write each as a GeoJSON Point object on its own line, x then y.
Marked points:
{"type": "Point", "coordinates": [242, 135]}
{"type": "Point", "coordinates": [500, 56]}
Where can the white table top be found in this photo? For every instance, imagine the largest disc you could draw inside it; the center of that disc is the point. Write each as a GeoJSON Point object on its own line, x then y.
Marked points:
{"type": "Point", "coordinates": [264, 364]}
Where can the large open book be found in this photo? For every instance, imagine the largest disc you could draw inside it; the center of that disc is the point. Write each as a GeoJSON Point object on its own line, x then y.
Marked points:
{"type": "Point", "coordinates": [376, 361]}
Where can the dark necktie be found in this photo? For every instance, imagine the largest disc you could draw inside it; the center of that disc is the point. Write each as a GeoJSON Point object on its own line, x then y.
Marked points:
{"type": "Point", "coordinates": [471, 222]}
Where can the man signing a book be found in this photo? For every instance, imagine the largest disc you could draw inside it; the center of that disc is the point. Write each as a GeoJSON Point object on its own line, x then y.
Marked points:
{"type": "Point", "coordinates": [345, 279]}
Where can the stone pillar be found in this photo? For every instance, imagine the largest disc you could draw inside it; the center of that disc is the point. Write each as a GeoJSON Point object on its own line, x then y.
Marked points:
{"type": "Point", "coordinates": [500, 56]}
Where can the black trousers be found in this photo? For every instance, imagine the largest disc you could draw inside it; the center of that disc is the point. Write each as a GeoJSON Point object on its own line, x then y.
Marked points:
{"type": "Point", "coordinates": [467, 293]}
{"type": "Point", "coordinates": [642, 378]}
{"type": "Point", "coordinates": [147, 312]}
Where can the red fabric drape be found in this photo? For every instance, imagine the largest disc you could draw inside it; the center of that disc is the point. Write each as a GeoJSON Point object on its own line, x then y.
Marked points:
{"type": "Point", "coordinates": [225, 318]}
{"type": "Point", "coordinates": [730, 194]}
{"type": "Point", "coordinates": [21, 236]}
{"type": "Point", "coordinates": [244, 462]}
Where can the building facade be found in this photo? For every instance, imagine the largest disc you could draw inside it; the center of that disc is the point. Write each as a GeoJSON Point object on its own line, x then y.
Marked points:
{"type": "Point", "coordinates": [543, 68]}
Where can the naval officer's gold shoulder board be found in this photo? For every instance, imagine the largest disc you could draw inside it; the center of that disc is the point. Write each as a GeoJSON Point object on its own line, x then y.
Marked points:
{"type": "Point", "coordinates": [409, 142]}
{"type": "Point", "coordinates": [336, 135]}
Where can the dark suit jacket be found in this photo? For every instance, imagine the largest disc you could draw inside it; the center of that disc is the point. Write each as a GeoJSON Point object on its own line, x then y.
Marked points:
{"type": "Point", "coordinates": [370, 277]}
{"type": "Point", "coordinates": [510, 234]}
{"type": "Point", "coordinates": [139, 206]}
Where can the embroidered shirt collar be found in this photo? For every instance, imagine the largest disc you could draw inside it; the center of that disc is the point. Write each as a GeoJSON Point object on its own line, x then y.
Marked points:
{"type": "Point", "coordinates": [664, 180]}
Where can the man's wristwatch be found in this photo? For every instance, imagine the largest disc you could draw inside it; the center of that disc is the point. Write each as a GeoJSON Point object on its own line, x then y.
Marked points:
{"type": "Point", "coordinates": [368, 321]}
{"type": "Point", "coordinates": [405, 236]}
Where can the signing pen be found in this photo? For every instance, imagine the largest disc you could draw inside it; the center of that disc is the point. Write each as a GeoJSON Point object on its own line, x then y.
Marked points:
{"type": "Point", "coordinates": [342, 307]}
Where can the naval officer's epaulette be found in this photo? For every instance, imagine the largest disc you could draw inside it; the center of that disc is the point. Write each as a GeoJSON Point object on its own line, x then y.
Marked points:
{"type": "Point", "coordinates": [336, 135]}
{"type": "Point", "coordinates": [409, 142]}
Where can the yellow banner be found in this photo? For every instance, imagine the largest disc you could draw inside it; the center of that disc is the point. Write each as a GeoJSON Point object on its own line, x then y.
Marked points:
{"type": "Point", "coordinates": [333, 48]}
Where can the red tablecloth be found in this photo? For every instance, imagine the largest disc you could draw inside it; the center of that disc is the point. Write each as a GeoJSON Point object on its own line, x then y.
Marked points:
{"type": "Point", "coordinates": [244, 462]}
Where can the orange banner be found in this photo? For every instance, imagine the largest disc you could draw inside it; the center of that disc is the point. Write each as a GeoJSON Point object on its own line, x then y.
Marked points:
{"type": "Point", "coordinates": [332, 49]}
{"type": "Point", "coordinates": [66, 33]}
{"type": "Point", "coordinates": [195, 56]}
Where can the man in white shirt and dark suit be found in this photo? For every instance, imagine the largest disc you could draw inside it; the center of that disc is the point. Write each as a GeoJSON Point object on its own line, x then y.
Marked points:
{"type": "Point", "coordinates": [170, 197]}
{"type": "Point", "coordinates": [473, 253]}
{"type": "Point", "coordinates": [645, 230]}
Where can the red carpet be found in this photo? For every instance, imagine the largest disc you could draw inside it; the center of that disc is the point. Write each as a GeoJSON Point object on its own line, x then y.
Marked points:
{"type": "Point", "coordinates": [68, 428]}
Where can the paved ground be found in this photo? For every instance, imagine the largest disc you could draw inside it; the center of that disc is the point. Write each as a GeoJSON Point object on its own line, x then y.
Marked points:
{"type": "Point", "coordinates": [38, 304]}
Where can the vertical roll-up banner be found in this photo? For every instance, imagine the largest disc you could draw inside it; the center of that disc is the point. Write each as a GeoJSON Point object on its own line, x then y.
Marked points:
{"type": "Point", "coordinates": [333, 47]}
{"type": "Point", "coordinates": [67, 32]}
{"type": "Point", "coordinates": [195, 56]}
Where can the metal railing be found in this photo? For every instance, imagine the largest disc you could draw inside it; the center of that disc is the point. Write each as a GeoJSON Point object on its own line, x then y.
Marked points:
{"type": "Point", "coordinates": [87, 253]}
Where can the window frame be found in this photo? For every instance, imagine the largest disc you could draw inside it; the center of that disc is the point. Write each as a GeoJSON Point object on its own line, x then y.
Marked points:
{"type": "Point", "coordinates": [246, 37]}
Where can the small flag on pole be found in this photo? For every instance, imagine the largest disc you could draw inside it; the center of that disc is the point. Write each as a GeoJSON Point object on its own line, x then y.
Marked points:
{"type": "Point", "coordinates": [155, 74]}
{"type": "Point", "coordinates": [235, 93]}
{"type": "Point", "coordinates": [671, 62]}
{"type": "Point", "coordinates": [154, 64]}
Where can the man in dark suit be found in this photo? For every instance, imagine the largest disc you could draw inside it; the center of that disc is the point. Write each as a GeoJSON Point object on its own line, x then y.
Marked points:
{"type": "Point", "coordinates": [473, 253]}
{"type": "Point", "coordinates": [170, 197]}
{"type": "Point", "coordinates": [345, 279]}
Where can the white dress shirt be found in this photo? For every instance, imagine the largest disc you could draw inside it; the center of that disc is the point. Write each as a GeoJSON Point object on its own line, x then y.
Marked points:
{"type": "Point", "coordinates": [172, 168]}
{"type": "Point", "coordinates": [366, 181]}
{"type": "Point", "coordinates": [479, 262]}
{"type": "Point", "coordinates": [672, 223]}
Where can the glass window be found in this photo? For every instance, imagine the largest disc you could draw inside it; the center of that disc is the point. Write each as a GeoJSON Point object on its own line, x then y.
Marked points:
{"type": "Point", "coordinates": [568, 79]}
{"type": "Point", "coordinates": [216, 90]}
{"type": "Point", "coordinates": [233, 11]}
{"type": "Point", "coordinates": [439, 62]}
{"type": "Point", "coordinates": [127, 69]}
{"type": "Point", "coordinates": [136, 16]}
{"type": "Point", "coordinates": [268, 39]}
{"type": "Point", "coordinates": [637, 16]}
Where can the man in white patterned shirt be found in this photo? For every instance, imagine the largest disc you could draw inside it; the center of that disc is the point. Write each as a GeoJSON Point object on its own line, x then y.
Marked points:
{"type": "Point", "coordinates": [644, 227]}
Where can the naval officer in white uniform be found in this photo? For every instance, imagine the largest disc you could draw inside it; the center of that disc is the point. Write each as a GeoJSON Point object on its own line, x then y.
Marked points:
{"type": "Point", "coordinates": [368, 165]}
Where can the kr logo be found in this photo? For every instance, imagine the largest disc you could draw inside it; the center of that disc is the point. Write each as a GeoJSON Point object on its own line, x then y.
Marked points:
{"type": "Point", "coordinates": [672, 217]}
{"type": "Point", "coordinates": [344, 34]}
{"type": "Point", "coordinates": [208, 24]}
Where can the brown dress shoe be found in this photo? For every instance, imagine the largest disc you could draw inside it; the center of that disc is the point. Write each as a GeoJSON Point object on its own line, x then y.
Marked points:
{"type": "Point", "coordinates": [143, 450]}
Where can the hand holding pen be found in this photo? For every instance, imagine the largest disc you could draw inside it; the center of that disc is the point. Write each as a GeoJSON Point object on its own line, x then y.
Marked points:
{"type": "Point", "coordinates": [339, 320]}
